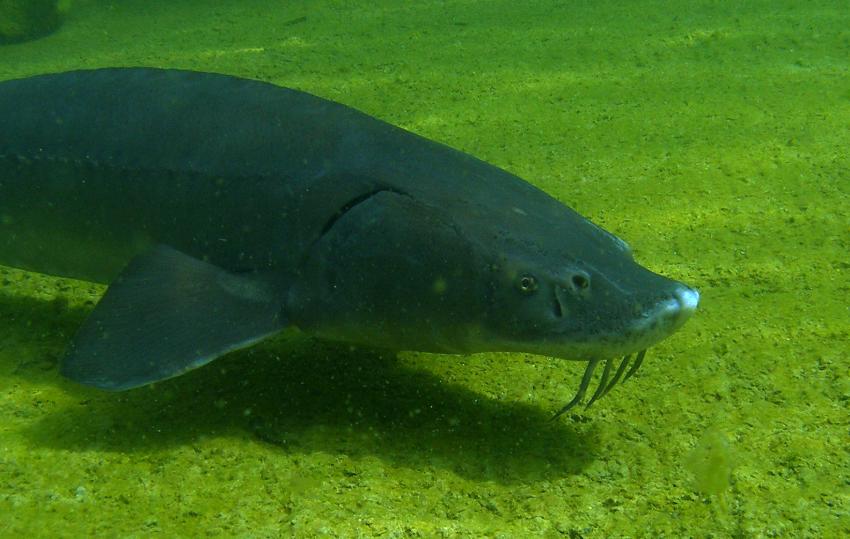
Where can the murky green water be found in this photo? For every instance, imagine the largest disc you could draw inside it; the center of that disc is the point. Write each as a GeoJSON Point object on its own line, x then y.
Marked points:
{"type": "Point", "coordinates": [713, 138]}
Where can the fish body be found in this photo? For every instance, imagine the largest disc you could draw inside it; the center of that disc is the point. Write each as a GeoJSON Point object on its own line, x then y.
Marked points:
{"type": "Point", "coordinates": [221, 210]}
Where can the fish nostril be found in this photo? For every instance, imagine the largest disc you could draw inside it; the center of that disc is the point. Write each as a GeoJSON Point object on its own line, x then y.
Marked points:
{"type": "Point", "coordinates": [558, 306]}
{"type": "Point", "coordinates": [556, 309]}
{"type": "Point", "coordinates": [580, 281]}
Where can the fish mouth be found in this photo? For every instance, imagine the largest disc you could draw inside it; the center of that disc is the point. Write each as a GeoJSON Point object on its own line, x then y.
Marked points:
{"type": "Point", "coordinates": [665, 318]}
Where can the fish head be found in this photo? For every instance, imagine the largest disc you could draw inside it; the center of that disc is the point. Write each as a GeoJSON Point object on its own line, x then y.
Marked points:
{"type": "Point", "coordinates": [562, 286]}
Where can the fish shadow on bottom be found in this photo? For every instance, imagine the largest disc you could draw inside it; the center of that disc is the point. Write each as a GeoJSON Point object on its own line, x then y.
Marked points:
{"type": "Point", "coordinates": [305, 396]}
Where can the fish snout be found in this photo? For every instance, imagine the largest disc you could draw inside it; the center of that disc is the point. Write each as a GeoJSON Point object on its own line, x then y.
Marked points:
{"type": "Point", "coordinates": [676, 310]}
{"type": "Point", "coordinates": [688, 299]}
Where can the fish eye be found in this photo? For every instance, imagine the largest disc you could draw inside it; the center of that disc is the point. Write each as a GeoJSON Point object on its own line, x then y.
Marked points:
{"type": "Point", "coordinates": [527, 284]}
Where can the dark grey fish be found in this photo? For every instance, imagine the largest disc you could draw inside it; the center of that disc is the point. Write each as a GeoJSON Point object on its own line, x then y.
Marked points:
{"type": "Point", "coordinates": [222, 210]}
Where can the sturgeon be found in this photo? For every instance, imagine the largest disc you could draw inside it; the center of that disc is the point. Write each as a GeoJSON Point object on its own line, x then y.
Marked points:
{"type": "Point", "coordinates": [222, 210]}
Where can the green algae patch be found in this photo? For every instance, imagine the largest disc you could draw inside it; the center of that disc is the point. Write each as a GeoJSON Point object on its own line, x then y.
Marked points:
{"type": "Point", "coordinates": [711, 464]}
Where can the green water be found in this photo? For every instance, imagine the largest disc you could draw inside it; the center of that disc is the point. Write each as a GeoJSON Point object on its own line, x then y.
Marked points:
{"type": "Point", "coordinates": [713, 136]}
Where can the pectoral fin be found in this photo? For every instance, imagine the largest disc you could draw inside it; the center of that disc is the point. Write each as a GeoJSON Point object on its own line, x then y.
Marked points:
{"type": "Point", "coordinates": [168, 313]}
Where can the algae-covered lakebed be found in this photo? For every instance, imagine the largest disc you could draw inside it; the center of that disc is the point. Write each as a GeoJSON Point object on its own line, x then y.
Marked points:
{"type": "Point", "coordinates": [713, 138]}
